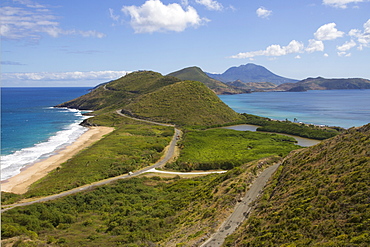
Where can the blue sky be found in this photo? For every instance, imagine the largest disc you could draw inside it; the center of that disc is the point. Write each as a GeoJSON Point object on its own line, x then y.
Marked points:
{"type": "Point", "coordinates": [83, 43]}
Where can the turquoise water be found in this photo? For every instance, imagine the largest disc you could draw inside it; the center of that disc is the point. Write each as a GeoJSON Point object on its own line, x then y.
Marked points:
{"type": "Point", "coordinates": [31, 128]}
{"type": "Point", "coordinates": [344, 108]}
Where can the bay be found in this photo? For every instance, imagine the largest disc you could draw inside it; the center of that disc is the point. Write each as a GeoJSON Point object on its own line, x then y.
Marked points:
{"type": "Point", "coordinates": [32, 129]}
{"type": "Point", "coordinates": [344, 108]}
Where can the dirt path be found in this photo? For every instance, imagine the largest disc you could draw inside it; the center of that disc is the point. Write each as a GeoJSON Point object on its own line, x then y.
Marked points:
{"type": "Point", "coordinates": [241, 210]}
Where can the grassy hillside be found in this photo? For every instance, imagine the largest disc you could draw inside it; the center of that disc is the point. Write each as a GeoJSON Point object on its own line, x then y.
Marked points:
{"type": "Point", "coordinates": [120, 92]}
{"type": "Point", "coordinates": [320, 197]}
{"type": "Point", "coordinates": [196, 74]}
{"type": "Point", "coordinates": [187, 103]}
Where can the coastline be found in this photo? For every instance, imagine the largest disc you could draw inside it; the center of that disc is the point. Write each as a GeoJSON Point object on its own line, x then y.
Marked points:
{"type": "Point", "coordinates": [20, 183]}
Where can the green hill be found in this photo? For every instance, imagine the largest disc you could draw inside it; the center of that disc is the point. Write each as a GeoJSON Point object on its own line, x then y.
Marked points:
{"type": "Point", "coordinates": [320, 83]}
{"type": "Point", "coordinates": [183, 103]}
{"type": "Point", "coordinates": [320, 197]}
{"type": "Point", "coordinates": [196, 74]}
{"type": "Point", "coordinates": [120, 92]}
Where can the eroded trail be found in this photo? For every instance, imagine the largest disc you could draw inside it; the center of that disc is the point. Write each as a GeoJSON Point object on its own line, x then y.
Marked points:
{"type": "Point", "coordinates": [242, 209]}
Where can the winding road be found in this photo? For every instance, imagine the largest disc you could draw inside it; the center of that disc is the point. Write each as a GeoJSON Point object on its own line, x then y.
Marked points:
{"type": "Point", "coordinates": [241, 210]}
{"type": "Point", "coordinates": [169, 154]}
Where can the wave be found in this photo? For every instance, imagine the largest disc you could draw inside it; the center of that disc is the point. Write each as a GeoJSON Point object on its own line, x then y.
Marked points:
{"type": "Point", "coordinates": [12, 164]}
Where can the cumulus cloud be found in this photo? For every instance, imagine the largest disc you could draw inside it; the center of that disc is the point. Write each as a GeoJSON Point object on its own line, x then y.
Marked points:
{"type": "Point", "coordinates": [210, 4]}
{"type": "Point", "coordinates": [363, 37]}
{"type": "Point", "coordinates": [328, 32]}
{"type": "Point", "coordinates": [274, 50]}
{"type": "Point", "coordinates": [341, 3]}
{"type": "Point", "coordinates": [314, 45]}
{"type": "Point", "coordinates": [31, 20]}
{"type": "Point", "coordinates": [263, 13]}
{"type": "Point", "coordinates": [64, 76]}
{"type": "Point", "coordinates": [154, 16]}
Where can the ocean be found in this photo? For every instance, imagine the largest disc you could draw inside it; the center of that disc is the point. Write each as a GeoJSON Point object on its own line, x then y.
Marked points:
{"type": "Point", "coordinates": [32, 129]}
{"type": "Point", "coordinates": [343, 108]}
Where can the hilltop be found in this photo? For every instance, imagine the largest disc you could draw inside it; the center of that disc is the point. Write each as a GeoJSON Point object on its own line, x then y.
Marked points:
{"type": "Point", "coordinates": [150, 95]}
{"type": "Point", "coordinates": [197, 74]}
{"type": "Point", "coordinates": [250, 73]}
{"type": "Point", "coordinates": [183, 103]}
{"type": "Point", "coordinates": [320, 197]}
{"type": "Point", "coordinates": [320, 83]}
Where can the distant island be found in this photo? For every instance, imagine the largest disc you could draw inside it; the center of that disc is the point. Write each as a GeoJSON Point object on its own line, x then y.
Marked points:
{"type": "Point", "coordinates": [255, 78]}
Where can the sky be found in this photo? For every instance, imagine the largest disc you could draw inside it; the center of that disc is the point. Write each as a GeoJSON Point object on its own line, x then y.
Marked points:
{"type": "Point", "coordinates": [84, 43]}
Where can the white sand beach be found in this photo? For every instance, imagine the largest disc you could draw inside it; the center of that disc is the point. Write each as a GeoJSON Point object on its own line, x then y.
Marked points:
{"type": "Point", "coordinates": [20, 183]}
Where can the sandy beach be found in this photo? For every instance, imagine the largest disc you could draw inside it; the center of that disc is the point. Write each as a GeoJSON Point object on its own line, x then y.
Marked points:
{"type": "Point", "coordinates": [20, 183]}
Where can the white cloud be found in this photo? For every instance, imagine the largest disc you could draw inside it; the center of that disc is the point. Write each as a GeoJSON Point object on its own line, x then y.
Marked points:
{"type": "Point", "coordinates": [346, 46]}
{"type": "Point", "coordinates": [263, 13]}
{"type": "Point", "coordinates": [344, 54]}
{"type": "Point", "coordinates": [328, 32]}
{"type": "Point", "coordinates": [314, 45]}
{"type": "Point", "coordinates": [64, 76]}
{"type": "Point", "coordinates": [363, 37]}
{"type": "Point", "coordinates": [297, 57]}
{"type": "Point", "coordinates": [274, 50]}
{"type": "Point", "coordinates": [32, 20]}
{"type": "Point", "coordinates": [154, 16]}
{"type": "Point", "coordinates": [210, 4]}
{"type": "Point", "coordinates": [341, 3]}
{"type": "Point", "coordinates": [326, 55]}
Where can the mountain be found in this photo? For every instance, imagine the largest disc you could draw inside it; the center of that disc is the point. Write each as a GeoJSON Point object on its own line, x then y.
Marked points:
{"type": "Point", "coordinates": [197, 74]}
{"type": "Point", "coordinates": [320, 83]}
{"type": "Point", "coordinates": [250, 73]}
{"type": "Point", "coordinates": [150, 95]}
{"type": "Point", "coordinates": [320, 197]}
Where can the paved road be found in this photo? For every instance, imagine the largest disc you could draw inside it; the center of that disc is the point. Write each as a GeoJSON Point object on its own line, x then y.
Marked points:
{"type": "Point", "coordinates": [168, 155]}
{"type": "Point", "coordinates": [241, 210]}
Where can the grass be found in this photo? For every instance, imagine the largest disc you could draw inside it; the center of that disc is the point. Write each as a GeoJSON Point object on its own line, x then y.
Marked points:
{"type": "Point", "coordinates": [225, 149]}
{"type": "Point", "coordinates": [131, 146]}
{"type": "Point", "coordinates": [186, 103]}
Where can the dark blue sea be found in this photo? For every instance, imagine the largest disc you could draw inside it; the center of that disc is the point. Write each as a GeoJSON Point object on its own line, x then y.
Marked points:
{"type": "Point", "coordinates": [32, 129]}
{"type": "Point", "coordinates": [344, 108]}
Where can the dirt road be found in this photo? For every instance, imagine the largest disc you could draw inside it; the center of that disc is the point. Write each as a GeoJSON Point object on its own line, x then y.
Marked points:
{"type": "Point", "coordinates": [241, 210]}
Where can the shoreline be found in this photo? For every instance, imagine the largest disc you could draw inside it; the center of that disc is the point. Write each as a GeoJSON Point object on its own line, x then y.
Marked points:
{"type": "Point", "coordinates": [20, 183]}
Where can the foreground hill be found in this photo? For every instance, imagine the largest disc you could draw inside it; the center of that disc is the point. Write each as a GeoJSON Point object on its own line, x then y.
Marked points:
{"type": "Point", "coordinates": [150, 95]}
{"type": "Point", "coordinates": [250, 73]}
{"type": "Point", "coordinates": [320, 197]}
{"type": "Point", "coordinates": [196, 74]}
{"type": "Point", "coordinates": [320, 83]}
{"type": "Point", "coordinates": [183, 103]}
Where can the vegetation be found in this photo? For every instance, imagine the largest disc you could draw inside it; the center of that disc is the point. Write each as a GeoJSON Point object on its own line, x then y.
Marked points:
{"type": "Point", "coordinates": [196, 74]}
{"type": "Point", "coordinates": [225, 149]}
{"type": "Point", "coordinates": [133, 145]}
{"type": "Point", "coordinates": [134, 212]}
{"type": "Point", "coordinates": [288, 127]}
{"type": "Point", "coordinates": [187, 103]}
{"type": "Point", "coordinates": [319, 198]}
